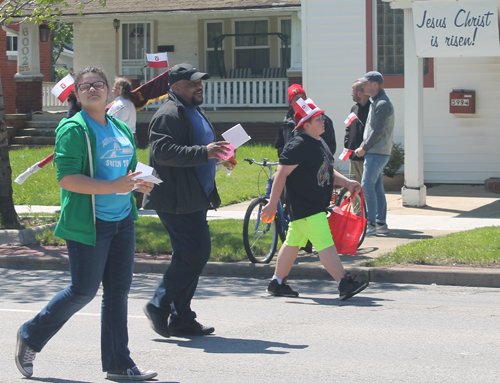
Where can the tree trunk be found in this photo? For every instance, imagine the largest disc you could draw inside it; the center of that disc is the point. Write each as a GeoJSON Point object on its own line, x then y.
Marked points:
{"type": "Point", "coordinates": [8, 213]}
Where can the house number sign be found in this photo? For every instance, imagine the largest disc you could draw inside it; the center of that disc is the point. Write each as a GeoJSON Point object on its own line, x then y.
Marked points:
{"type": "Point", "coordinates": [24, 59]}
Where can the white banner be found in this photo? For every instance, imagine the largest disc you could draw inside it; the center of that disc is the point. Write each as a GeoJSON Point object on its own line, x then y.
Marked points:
{"type": "Point", "coordinates": [456, 28]}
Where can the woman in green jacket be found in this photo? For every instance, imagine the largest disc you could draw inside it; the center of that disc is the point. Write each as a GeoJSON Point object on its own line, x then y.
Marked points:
{"type": "Point", "coordinates": [95, 157]}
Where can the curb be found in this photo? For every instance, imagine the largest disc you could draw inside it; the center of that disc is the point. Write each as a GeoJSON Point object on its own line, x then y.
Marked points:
{"type": "Point", "coordinates": [23, 237]}
{"type": "Point", "coordinates": [454, 276]}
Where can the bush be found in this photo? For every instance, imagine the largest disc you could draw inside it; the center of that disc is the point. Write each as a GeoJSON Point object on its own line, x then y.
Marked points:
{"type": "Point", "coordinates": [396, 160]}
{"type": "Point", "coordinates": [60, 73]}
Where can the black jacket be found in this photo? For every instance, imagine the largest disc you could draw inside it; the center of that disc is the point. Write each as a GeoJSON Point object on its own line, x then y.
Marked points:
{"type": "Point", "coordinates": [285, 133]}
{"type": "Point", "coordinates": [173, 156]}
{"type": "Point", "coordinates": [354, 132]}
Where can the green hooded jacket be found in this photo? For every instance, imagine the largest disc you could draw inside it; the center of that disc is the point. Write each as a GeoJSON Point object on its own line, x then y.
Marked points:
{"type": "Point", "coordinates": [73, 137]}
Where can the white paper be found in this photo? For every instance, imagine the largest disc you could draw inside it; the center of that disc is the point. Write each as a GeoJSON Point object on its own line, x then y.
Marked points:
{"type": "Point", "coordinates": [146, 175]}
{"type": "Point", "coordinates": [236, 136]}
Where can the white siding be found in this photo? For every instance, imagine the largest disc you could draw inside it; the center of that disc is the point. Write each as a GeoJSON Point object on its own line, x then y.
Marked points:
{"type": "Point", "coordinates": [457, 148]}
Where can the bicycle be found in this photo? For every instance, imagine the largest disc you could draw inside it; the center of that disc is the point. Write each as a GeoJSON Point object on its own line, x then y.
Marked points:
{"type": "Point", "coordinates": [260, 239]}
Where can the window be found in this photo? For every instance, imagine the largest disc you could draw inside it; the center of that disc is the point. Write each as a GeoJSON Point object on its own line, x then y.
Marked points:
{"type": "Point", "coordinates": [11, 45]}
{"type": "Point", "coordinates": [286, 29]}
{"type": "Point", "coordinates": [251, 50]}
{"type": "Point", "coordinates": [213, 30]}
{"type": "Point", "coordinates": [385, 45]}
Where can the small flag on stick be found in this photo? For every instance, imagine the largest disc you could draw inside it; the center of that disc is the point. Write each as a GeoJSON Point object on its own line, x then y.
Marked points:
{"type": "Point", "coordinates": [346, 153]}
{"type": "Point", "coordinates": [33, 169]}
{"type": "Point", "coordinates": [157, 60]}
{"type": "Point", "coordinates": [63, 88]}
{"type": "Point", "coordinates": [350, 118]}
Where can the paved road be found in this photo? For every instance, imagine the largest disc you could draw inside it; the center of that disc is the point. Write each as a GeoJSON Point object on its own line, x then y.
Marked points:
{"type": "Point", "coordinates": [390, 333]}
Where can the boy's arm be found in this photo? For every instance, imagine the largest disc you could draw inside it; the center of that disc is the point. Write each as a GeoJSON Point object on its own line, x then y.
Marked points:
{"type": "Point", "coordinates": [278, 185]}
{"type": "Point", "coordinates": [353, 186]}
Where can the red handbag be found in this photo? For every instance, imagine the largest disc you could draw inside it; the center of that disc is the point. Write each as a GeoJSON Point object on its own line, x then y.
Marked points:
{"type": "Point", "coordinates": [347, 227]}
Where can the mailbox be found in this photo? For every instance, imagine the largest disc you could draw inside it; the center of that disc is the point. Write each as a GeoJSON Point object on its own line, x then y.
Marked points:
{"type": "Point", "coordinates": [463, 101]}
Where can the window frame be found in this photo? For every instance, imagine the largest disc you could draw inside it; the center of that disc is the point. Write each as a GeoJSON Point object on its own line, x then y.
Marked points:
{"type": "Point", "coordinates": [390, 81]}
{"type": "Point", "coordinates": [205, 39]}
{"type": "Point", "coordinates": [235, 48]}
{"type": "Point", "coordinates": [11, 36]}
{"type": "Point", "coordinates": [280, 58]}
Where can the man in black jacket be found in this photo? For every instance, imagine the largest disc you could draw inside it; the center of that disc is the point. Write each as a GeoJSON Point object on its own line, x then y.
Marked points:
{"type": "Point", "coordinates": [354, 131]}
{"type": "Point", "coordinates": [182, 153]}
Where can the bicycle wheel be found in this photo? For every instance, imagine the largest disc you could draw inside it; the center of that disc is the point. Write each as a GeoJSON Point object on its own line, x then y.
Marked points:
{"type": "Point", "coordinates": [259, 238]}
{"type": "Point", "coordinates": [355, 208]}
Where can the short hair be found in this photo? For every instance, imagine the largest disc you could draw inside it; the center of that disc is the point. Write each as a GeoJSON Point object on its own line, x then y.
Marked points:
{"type": "Point", "coordinates": [90, 69]}
{"type": "Point", "coordinates": [124, 86]}
{"type": "Point", "coordinates": [358, 86]}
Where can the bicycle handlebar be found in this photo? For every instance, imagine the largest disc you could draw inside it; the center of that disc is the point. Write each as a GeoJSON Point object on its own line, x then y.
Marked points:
{"type": "Point", "coordinates": [265, 162]}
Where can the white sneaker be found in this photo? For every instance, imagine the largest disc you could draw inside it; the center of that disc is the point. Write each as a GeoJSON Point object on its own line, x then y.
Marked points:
{"type": "Point", "coordinates": [382, 228]}
{"type": "Point", "coordinates": [370, 229]}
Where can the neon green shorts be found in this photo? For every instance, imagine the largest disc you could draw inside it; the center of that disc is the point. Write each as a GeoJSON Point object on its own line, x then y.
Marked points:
{"type": "Point", "coordinates": [314, 228]}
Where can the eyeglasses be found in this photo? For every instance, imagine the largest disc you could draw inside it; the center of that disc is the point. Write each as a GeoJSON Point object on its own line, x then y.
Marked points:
{"type": "Point", "coordinates": [97, 85]}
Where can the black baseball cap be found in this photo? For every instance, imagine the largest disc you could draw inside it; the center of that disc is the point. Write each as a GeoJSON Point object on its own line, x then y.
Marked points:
{"type": "Point", "coordinates": [372, 76]}
{"type": "Point", "coordinates": [186, 72]}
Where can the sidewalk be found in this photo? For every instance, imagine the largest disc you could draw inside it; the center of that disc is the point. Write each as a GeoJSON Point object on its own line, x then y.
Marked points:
{"type": "Point", "coordinates": [450, 208]}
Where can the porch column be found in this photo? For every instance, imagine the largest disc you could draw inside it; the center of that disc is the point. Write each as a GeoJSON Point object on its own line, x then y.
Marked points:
{"type": "Point", "coordinates": [414, 192]}
{"type": "Point", "coordinates": [28, 77]}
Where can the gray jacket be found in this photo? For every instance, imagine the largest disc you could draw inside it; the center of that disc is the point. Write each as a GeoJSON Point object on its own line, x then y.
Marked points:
{"type": "Point", "coordinates": [173, 155]}
{"type": "Point", "coordinates": [379, 129]}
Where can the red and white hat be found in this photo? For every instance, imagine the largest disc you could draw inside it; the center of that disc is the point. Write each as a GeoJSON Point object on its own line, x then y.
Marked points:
{"type": "Point", "coordinates": [304, 111]}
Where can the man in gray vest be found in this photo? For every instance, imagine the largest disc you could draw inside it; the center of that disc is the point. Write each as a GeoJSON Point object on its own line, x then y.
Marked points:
{"type": "Point", "coordinates": [376, 148]}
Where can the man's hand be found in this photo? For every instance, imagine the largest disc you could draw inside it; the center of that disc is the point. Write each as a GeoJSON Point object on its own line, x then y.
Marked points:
{"type": "Point", "coordinates": [354, 187]}
{"type": "Point", "coordinates": [360, 152]}
{"type": "Point", "coordinates": [217, 149]}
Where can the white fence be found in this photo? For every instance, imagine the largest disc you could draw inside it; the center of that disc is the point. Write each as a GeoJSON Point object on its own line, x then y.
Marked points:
{"type": "Point", "coordinates": [218, 93]}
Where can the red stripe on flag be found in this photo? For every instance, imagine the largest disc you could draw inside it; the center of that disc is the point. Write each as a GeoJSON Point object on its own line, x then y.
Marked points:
{"type": "Point", "coordinates": [158, 64]}
{"type": "Point", "coordinates": [66, 92]}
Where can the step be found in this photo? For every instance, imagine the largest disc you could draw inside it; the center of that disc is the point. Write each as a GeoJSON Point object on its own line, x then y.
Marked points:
{"type": "Point", "coordinates": [48, 132]}
{"type": "Point", "coordinates": [42, 124]}
{"type": "Point", "coordinates": [29, 140]}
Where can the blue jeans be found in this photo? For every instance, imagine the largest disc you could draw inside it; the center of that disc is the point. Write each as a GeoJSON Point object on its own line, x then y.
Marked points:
{"type": "Point", "coordinates": [191, 245]}
{"type": "Point", "coordinates": [373, 187]}
{"type": "Point", "coordinates": [111, 261]}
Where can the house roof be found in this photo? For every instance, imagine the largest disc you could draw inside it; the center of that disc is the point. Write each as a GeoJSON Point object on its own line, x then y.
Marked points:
{"type": "Point", "coordinates": [156, 6]}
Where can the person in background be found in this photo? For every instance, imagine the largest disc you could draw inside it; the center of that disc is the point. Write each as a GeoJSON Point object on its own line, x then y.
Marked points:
{"type": "Point", "coordinates": [306, 166]}
{"type": "Point", "coordinates": [183, 154]}
{"type": "Point", "coordinates": [287, 129]}
{"type": "Point", "coordinates": [73, 105]}
{"type": "Point", "coordinates": [97, 222]}
{"type": "Point", "coordinates": [123, 108]}
{"type": "Point", "coordinates": [354, 132]}
{"type": "Point", "coordinates": [376, 149]}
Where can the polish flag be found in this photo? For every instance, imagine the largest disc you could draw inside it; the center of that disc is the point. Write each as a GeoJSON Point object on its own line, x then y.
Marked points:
{"type": "Point", "coordinates": [157, 60]}
{"type": "Point", "coordinates": [346, 153]}
{"type": "Point", "coordinates": [64, 88]}
{"type": "Point", "coordinates": [350, 118]}
{"type": "Point", "coordinates": [33, 169]}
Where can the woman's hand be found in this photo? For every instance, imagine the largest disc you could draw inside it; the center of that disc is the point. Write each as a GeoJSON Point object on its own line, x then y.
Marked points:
{"type": "Point", "coordinates": [125, 184]}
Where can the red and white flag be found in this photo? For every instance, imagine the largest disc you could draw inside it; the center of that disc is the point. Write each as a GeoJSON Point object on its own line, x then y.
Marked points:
{"type": "Point", "coordinates": [346, 153]}
{"type": "Point", "coordinates": [157, 60]}
{"type": "Point", "coordinates": [350, 118]}
{"type": "Point", "coordinates": [64, 88]}
{"type": "Point", "coordinates": [33, 169]}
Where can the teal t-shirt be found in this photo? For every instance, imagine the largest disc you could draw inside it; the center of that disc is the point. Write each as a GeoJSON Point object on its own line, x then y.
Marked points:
{"type": "Point", "coordinates": [114, 153]}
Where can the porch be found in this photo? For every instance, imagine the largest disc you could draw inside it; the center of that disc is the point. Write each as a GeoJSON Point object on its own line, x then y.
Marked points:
{"type": "Point", "coordinates": [218, 93]}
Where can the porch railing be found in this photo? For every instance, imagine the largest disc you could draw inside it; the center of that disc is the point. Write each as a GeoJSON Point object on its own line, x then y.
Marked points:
{"type": "Point", "coordinates": [218, 93]}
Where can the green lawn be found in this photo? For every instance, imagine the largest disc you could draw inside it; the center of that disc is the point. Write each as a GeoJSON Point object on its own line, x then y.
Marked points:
{"type": "Point", "coordinates": [42, 188]}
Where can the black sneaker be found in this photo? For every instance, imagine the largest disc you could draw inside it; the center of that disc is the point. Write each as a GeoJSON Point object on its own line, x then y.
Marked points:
{"type": "Point", "coordinates": [189, 328]}
{"type": "Point", "coordinates": [24, 356]}
{"type": "Point", "coordinates": [159, 325]}
{"type": "Point", "coordinates": [348, 287]}
{"type": "Point", "coordinates": [283, 290]}
{"type": "Point", "coordinates": [134, 373]}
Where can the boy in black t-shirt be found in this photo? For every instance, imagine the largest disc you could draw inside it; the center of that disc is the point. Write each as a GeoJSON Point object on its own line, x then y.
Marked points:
{"type": "Point", "coordinates": [306, 166]}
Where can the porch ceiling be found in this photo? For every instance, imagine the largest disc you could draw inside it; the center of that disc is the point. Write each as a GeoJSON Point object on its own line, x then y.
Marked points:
{"type": "Point", "coordinates": [160, 6]}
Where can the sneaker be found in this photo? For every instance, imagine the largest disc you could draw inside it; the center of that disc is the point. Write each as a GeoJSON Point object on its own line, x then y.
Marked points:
{"type": "Point", "coordinates": [370, 229]}
{"type": "Point", "coordinates": [24, 356]}
{"type": "Point", "coordinates": [159, 325]}
{"type": "Point", "coordinates": [382, 228]}
{"type": "Point", "coordinates": [283, 290]}
{"type": "Point", "coordinates": [134, 373]}
{"type": "Point", "coordinates": [348, 287]}
{"type": "Point", "coordinates": [188, 328]}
